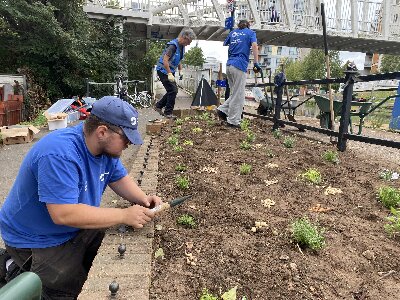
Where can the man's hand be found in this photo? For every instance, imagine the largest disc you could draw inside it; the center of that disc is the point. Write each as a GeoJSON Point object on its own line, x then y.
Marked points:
{"type": "Point", "coordinates": [137, 216]}
{"type": "Point", "coordinates": [256, 68]}
{"type": "Point", "coordinates": [171, 77]}
{"type": "Point", "coordinates": [152, 201]}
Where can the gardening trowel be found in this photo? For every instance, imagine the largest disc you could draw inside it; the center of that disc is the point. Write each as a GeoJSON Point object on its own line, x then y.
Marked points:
{"type": "Point", "coordinates": [172, 203]}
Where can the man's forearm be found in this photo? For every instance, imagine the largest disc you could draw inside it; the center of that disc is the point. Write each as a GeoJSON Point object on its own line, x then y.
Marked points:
{"type": "Point", "coordinates": [129, 190]}
{"type": "Point", "coordinates": [255, 52]}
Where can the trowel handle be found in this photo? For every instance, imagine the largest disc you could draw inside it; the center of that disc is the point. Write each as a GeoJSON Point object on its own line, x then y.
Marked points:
{"type": "Point", "coordinates": [160, 208]}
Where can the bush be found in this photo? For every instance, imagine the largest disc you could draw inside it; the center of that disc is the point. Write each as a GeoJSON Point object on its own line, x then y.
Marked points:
{"type": "Point", "coordinates": [307, 234]}
{"type": "Point", "coordinates": [390, 197]}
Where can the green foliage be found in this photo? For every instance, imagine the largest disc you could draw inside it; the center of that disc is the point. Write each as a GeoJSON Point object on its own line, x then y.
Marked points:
{"type": "Point", "coordinates": [331, 156]}
{"type": "Point", "coordinates": [378, 119]}
{"type": "Point", "coordinates": [182, 182]}
{"type": "Point", "coordinates": [293, 70]}
{"type": "Point", "coordinates": [288, 142]}
{"type": "Point", "coordinates": [393, 228]}
{"type": "Point", "coordinates": [194, 57]}
{"type": "Point", "coordinates": [178, 121]}
{"type": "Point", "coordinates": [277, 134]}
{"type": "Point", "coordinates": [173, 140]}
{"type": "Point", "coordinates": [178, 148]}
{"type": "Point", "coordinates": [390, 63]}
{"type": "Point", "coordinates": [206, 295]}
{"type": "Point", "coordinates": [39, 121]}
{"type": "Point", "coordinates": [386, 174]}
{"type": "Point", "coordinates": [186, 221]}
{"type": "Point", "coordinates": [188, 143]}
{"type": "Point", "coordinates": [180, 168]}
{"type": "Point", "coordinates": [197, 130]}
{"type": "Point", "coordinates": [245, 169]}
{"type": "Point", "coordinates": [312, 175]}
{"type": "Point", "coordinates": [389, 196]}
{"type": "Point", "coordinates": [186, 119]}
{"type": "Point", "coordinates": [177, 130]}
{"type": "Point", "coordinates": [313, 65]}
{"type": "Point", "coordinates": [250, 137]}
{"type": "Point", "coordinates": [245, 145]}
{"type": "Point", "coordinates": [204, 116]}
{"type": "Point", "coordinates": [245, 124]}
{"type": "Point", "coordinates": [307, 234]}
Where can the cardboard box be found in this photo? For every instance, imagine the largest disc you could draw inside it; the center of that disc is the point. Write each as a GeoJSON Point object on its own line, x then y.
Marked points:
{"type": "Point", "coordinates": [17, 134]}
{"type": "Point", "coordinates": [155, 126]}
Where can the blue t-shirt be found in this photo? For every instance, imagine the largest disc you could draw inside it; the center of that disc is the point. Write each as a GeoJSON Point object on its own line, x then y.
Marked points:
{"type": "Point", "coordinates": [239, 41]}
{"type": "Point", "coordinates": [59, 169]}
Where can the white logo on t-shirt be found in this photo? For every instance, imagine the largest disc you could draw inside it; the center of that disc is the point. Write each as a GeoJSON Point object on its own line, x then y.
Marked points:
{"type": "Point", "coordinates": [102, 175]}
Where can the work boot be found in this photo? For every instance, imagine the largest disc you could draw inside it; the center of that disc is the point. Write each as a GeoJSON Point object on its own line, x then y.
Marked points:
{"type": "Point", "coordinates": [159, 110]}
{"type": "Point", "coordinates": [221, 115]}
{"type": "Point", "coordinates": [170, 116]}
{"type": "Point", "coordinates": [232, 125]}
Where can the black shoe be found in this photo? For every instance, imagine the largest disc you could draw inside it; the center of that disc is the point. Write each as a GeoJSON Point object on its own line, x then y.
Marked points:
{"type": "Point", "coordinates": [221, 115]}
{"type": "Point", "coordinates": [231, 125]}
{"type": "Point", "coordinates": [159, 110]}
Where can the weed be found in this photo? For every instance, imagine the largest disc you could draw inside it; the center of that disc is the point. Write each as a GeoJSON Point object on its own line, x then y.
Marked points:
{"type": "Point", "coordinates": [245, 124]}
{"type": "Point", "coordinates": [177, 130]}
{"type": "Point", "coordinates": [186, 221]}
{"type": "Point", "coordinates": [197, 130]}
{"type": "Point", "coordinates": [180, 168]}
{"type": "Point", "coordinates": [277, 134]}
{"type": "Point", "coordinates": [307, 234]}
{"type": "Point", "coordinates": [245, 145]}
{"type": "Point", "coordinates": [250, 136]}
{"type": "Point", "coordinates": [331, 156]}
{"type": "Point", "coordinates": [188, 143]}
{"type": "Point", "coordinates": [389, 196]}
{"type": "Point", "coordinates": [386, 175]}
{"type": "Point", "coordinates": [312, 175]}
{"type": "Point", "coordinates": [393, 228]}
{"type": "Point", "coordinates": [245, 169]}
{"type": "Point", "coordinates": [182, 182]}
{"type": "Point", "coordinates": [173, 140]}
{"type": "Point", "coordinates": [179, 121]}
{"type": "Point", "coordinates": [269, 153]}
{"type": "Point", "coordinates": [206, 295]}
{"type": "Point", "coordinates": [178, 148]}
{"type": "Point", "coordinates": [288, 142]}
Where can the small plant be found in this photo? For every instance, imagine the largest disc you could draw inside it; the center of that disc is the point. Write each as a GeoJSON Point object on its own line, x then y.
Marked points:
{"type": "Point", "coordinates": [390, 197]}
{"type": "Point", "coordinates": [269, 153]}
{"type": "Point", "coordinates": [393, 228]}
{"type": "Point", "coordinates": [307, 234]}
{"type": "Point", "coordinates": [386, 175]}
{"type": "Point", "coordinates": [331, 156]}
{"type": "Point", "coordinates": [39, 121]}
{"type": "Point", "coordinates": [182, 182]}
{"type": "Point", "coordinates": [277, 134]}
{"type": "Point", "coordinates": [173, 140]}
{"type": "Point", "coordinates": [288, 142]}
{"type": "Point", "coordinates": [210, 122]}
{"type": "Point", "coordinates": [186, 119]}
{"type": "Point", "coordinates": [179, 121]}
{"type": "Point", "coordinates": [178, 148]}
{"type": "Point", "coordinates": [197, 130]}
{"type": "Point", "coordinates": [245, 169]}
{"type": "Point", "coordinates": [245, 145]}
{"type": "Point", "coordinates": [186, 221]}
{"type": "Point", "coordinates": [204, 116]}
{"type": "Point", "coordinates": [206, 295]}
{"type": "Point", "coordinates": [245, 124]}
{"type": "Point", "coordinates": [188, 143]}
{"type": "Point", "coordinates": [312, 175]}
{"type": "Point", "coordinates": [250, 136]}
{"type": "Point", "coordinates": [180, 168]}
{"type": "Point", "coordinates": [177, 130]}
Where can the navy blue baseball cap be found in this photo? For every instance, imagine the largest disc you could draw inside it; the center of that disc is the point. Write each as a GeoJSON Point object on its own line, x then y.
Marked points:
{"type": "Point", "coordinates": [119, 113]}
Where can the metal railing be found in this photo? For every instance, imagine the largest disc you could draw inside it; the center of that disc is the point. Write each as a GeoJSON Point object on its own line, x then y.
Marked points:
{"type": "Point", "coordinates": [26, 286]}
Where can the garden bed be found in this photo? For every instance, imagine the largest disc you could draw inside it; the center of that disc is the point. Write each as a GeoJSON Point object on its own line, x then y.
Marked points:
{"type": "Point", "coordinates": [224, 249]}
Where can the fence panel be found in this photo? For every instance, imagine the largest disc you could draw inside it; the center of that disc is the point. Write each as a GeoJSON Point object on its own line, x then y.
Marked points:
{"type": "Point", "coordinates": [10, 112]}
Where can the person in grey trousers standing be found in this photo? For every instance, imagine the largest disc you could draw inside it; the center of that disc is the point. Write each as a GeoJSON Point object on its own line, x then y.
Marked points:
{"type": "Point", "coordinates": [239, 41]}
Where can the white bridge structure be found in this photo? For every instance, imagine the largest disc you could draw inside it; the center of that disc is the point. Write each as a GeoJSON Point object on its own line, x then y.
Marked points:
{"type": "Point", "coordinates": [371, 26]}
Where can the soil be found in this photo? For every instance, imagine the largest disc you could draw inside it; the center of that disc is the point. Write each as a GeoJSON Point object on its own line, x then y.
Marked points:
{"type": "Point", "coordinates": [359, 260]}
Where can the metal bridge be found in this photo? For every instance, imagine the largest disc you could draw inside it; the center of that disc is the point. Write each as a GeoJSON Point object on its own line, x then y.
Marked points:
{"type": "Point", "coordinates": [354, 25]}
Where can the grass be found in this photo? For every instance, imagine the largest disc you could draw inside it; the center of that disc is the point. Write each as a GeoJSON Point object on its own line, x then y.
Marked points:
{"type": "Point", "coordinates": [180, 168]}
{"type": "Point", "coordinates": [331, 156]}
{"type": "Point", "coordinates": [187, 221]}
{"type": "Point", "coordinates": [312, 175]}
{"type": "Point", "coordinates": [245, 169]}
{"type": "Point", "coordinates": [389, 196]}
{"type": "Point", "coordinates": [182, 182]}
{"type": "Point", "coordinates": [307, 234]}
{"type": "Point", "coordinates": [393, 227]}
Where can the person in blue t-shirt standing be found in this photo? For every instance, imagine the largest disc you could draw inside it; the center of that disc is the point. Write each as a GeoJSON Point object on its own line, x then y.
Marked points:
{"type": "Point", "coordinates": [239, 41]}
{"type": "Point", "coordinates": [51, 221]}
{"type": "Point", "coordinates": [168, 63]}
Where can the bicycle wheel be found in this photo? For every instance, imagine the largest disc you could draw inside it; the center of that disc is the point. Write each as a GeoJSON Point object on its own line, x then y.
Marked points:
{"type": "Point", "coordinates": [145, 100]}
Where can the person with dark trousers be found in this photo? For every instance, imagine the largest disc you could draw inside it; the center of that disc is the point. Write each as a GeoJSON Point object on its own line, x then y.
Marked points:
{"type": "Point", "coordinates": [168, 63]}
{"type": "Point", "coordinates": [239, 41]}
{"type": "Point", "coordinates": [51, 221]}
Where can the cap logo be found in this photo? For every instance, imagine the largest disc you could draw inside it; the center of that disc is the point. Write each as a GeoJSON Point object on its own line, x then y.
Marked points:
{"type": "Point", "coordinates": [133, 121]}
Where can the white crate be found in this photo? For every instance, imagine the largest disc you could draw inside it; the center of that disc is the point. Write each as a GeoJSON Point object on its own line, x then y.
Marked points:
{"type": "Point", "coordinates": [57, 124]}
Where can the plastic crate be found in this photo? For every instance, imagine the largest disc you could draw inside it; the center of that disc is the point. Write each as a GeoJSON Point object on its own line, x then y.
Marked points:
{"type": "Point", "coordinates": [73, 116]}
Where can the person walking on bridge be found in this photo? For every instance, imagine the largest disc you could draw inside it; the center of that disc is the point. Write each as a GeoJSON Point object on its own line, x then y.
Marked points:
{"type": "Point", "coordinates": [168, 63]}
{"type": "Point", "coordinates": [239, 41]}
{"type": "Point", "coordinates": [51, 221]}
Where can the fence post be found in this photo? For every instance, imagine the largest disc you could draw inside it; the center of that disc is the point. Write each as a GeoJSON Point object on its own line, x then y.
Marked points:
{"type": "Point", "coordinates": [278, 104]}
{"type": "Point", "coordinates": [87, 87]}
{"type": "Point", "coordinates": [346, 107]}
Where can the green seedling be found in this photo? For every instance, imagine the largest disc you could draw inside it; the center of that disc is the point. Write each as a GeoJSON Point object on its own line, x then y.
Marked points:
{"type": "Point", "coordinates": [245, 145]}
{"type": "Point", "coordinates": [245, 169]}
{"type": "Point", "coordinates": [312, 175]}
{"type": "Point", "coordinates": [177, 130]}
{"type": "Point", "coordinates": [182, 182]}
{"type": "Point", "coordinates": [288, 142]}
{"type": "Point", "coordinates": [306, 234]}
{"type": "Point", "coordinates": [393, 228]}
{"type": "Point", "coordinates": [210, 122]}
{"type": "Point", "coordinates": [386, 175]}
{"type": "Point", "coordinates": [178, 121]}
{"type": "Point", "coordinates": [186, 119]}
{"type": "Point", "coordinates": [188, 143]}
{"type": "Point", "coordinates": [178, 148]}
{"type": "Point", "coordinates": [180, 168]}
{"type": "Point", "coordinates": [245, 124]}
{"type": "Point", "coordinates": [269, 153]}
{"type": "Point", "coordinates": [389, 196]}
{"type": "Point", "coordinates": [197, 130]}
{"type": "Point", "coordinates": [331, 156]}
{"type": "Point", "coordinates": [173, 140]}
{"type": "Point", "coordinates": [277, 134]}
{"type": "Point", "coordinates": [186, 221]}
{"type": "Point", "coordinates": [206, 295]}
{"type": "Point", "coordinates": [250, 136]}
{"type": "Point", "coordinates": [204, 116]}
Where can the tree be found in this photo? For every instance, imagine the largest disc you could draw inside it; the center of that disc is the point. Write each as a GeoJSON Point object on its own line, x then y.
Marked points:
{"type": "Point", "coordinates": [390, 63]}
{"type": "Point", "coordinates": [314, 67]}
{"type": "Point", "coordinates": [194, 57]}
{"type": "Point", "coordinates": [293, 69]}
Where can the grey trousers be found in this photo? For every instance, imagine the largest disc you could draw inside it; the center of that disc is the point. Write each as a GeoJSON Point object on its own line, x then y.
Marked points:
{"type": "Point", "coordinates": [233, 106]}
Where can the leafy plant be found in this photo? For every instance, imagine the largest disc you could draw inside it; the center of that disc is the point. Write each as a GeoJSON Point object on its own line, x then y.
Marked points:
{"type": "Point", "coordinates": [386, 174]}
{"type": "Point", "coordinates": [393, 228]}
{"type": "Point", "coordinates": [182, 182]}
{"type": "Point", "coordinates": [245, 169]}
{"type": "Point", "coordinates": [39, 121]}
{"type": "Point", "coordinates": [307, 234]}
{"type": "Point", "coordinates": [180, 168]}
{"type": "Point", "coordinates": [197, 130]}
{"type": "Point", "coordinates": [331, 156]}
{"type": "Point", "coordinates": [206, 295]}
{"type": "Point", "coordinates": [187, 119]}
{"type": "Point", "coordinates": [250, 136]}
{"type": "Point", "coordinates": [186, 221]}
{"type": "Point", "coordinates": [389, 196]}
{"type": "Point", "coordinates": [312, 175]}
{"type": "Point", "coordinates": [173, 140]}
{"type": "Point", "coordinates": [245, 145]}
{"type": "Point", "coordinates": [204, 116]}
{"type": "Point", "coordinates": [178, 121]}
{"type": "Point", "coordinates": [210, 122]}
{"type": "Point", "coordinates": [177, 130]}
{"type": "Point", "coordinates": [269, 153]}
{"type": "Point", "coordinates": [245, 124]}
{"type": "Point", "coordinates": [277, 134]}
{"type": "Point", "coordinates": [188, 143]}
{"type": "Point", "coordinates": [288, 142]}
{"type": "Point", "coordinates": [178, 148]}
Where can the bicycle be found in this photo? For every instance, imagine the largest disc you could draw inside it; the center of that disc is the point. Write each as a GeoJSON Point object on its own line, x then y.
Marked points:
{"type": "Point", "coordinates": [138, 98]}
